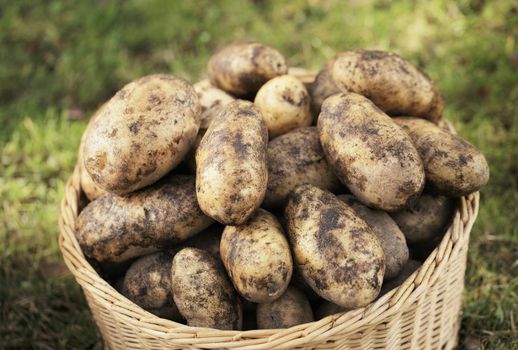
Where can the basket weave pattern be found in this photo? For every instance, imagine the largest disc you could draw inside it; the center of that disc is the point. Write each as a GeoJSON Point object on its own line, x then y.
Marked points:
{"type": "Point", "coordinates": [423, 313]}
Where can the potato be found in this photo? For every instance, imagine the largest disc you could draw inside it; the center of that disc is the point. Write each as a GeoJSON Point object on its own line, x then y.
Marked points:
{"type": "Point", "coordinates": [327, 308]}
{"type": "Point", "coordinates": [427, 219]}
{"type": "Point", "coordinates": [284, 104]}
{"type": "Point", "coordinates": [393, 84]}
{"type": "Point", "coordinates": [241, 68]}
{"type": "Point", "coordinates": [298, 282]}
{"type": "Point", "coordinates": [257, 257]}
{"type": "Point", "coordinates": [89, 187]}
{"type": "Point", "coordinates": [296, 158]}
{"type": "Point", "coordinates": [291, 309]}
{"type": "Point", "coordinates": [453, 166]}
{"type": "Point", "coordinates": [207, 240]}
{"type": "Point", "coordinates": [336, 252]}
{"type": "Point", "coordinates": [142, 133]}
{"type": "Point", "coordinates": [211, 100]}
{"type": "Point", "coordinates": [116, 229]}
{"type": "Point", "coordinates": [231, 169]}
{"type": "Point", "coordinates": [391, 238]}
{"type": "Point", "coordinates": [148, 284]}
{"type": "Point", "coordinates": [410, 267]}
{"type": "Point", "coordinates": [202, 291]}
{"type": "Point", "coordinates": [370, 153]}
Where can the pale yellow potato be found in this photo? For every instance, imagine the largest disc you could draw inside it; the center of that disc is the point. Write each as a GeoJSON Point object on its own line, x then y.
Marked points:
{"type": "Point", "coordinates": [202, 291]}
{"type": "Point", "coordinates": [257, 257]}
{"type": "Point", "coordinates": [369, 152]}
{"type": "Point", "coordinates": [89, 187]}
{"type": "Point", "coordinates": [291, 309]}
{"type": "Point", "coordinates": [242, 68]}
{"type": "Point", "coordinates": [393, 84]}
{"type": "Point", "coordinates": [142, 133]}
{"type": "Point", "coordinates": [117, 228]}
{"type": "Point", "coordinates": [453, 166]}
{"type": "Point", "coordinates": [211, 99]}
{"type": "Point", "coordinates": [391, 238]}
{"type": "Point", "coordinates": [284, 104]}
{"type": "Point", "coordinates": [231, 169]}
{"type": "Point", "coordinates": [338, 254]}
{"type": "Point", "coordinates": [148, 284]}
{"type": "Point", "coordinates": [296, 158]}
{"type": "Point", "coordinates": [427, 219]}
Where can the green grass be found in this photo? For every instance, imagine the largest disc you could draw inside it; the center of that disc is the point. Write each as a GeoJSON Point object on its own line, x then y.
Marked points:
{"type": "Point", "coordinates": [65, 56]}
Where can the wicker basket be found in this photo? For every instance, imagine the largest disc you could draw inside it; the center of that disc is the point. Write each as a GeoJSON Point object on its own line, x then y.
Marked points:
{"type": "Point", "coordinates": [423, 313]}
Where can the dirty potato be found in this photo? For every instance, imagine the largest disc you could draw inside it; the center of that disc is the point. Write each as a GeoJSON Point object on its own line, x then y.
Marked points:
{"type": "Point", "coordinates": [391, 238]}
{"type": "Point", "coordinates": [337, 253]}
{"type": "Point", "coordinates": [393, 84]}
{"type": "Point", "coordinates": [231, 169]}
{"type": "Point", "coordinates": [453, 166]}
{"type": "Point", "coordinates": [242, 68]}
{"type": "Point", "coordinates": [207, 240]}
{"type": "Point", "coordinates": [370, 153]}
{"type": "Point", "coordinates": [202, 291]}
{"type": "Point", "coordinates": [284, 104]}
{"type": "Point", "coordinates": [291, 309]}
{"type": "Point", "coordinates": [257, 257]}
{"type": "Point", "coordinates": [148, 284]}
{"type": "Point", "coordinates": [294, 159]}
{"type": "Point", "coordinates": [211, 99]}
{"type": "Point", "coordinates": [142, 133]}
{"type": "Point", "coordinates": [410, 267]}
{"type": "Point", "coordinates": [427, 219]}
{"type": "Point", "coordinates": [118, 228]}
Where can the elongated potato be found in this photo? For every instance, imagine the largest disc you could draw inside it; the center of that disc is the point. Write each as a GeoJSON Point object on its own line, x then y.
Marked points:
{"type": "Point", "coordinates": [257, 257]}
{"type": "Point", "coordinates": [291, 309]}
{"type": "Point", "coordinates": [148, 284]}
{"type": "Point", "coordinates": [393, 84]}
{"type": "Point", "coordinates": [202, 291]}
{"type": "Point", "coordinates": [142, 133]}
{"type": "Point", "coordinates": [231, 169]}
{"type": "Point", "coordinates": [336, 252]}
{"type": "Point", "coordinates": [284, 104]}
{"type": "Point", "coordinates": [370, 153]}
{"type": "Point", "coordinates": [427, 219]}
{"type": "Point", "coordinates": [453, 166]}
{"type": "Point", "coordinates": [391, 238]}
{"type": "Point", "coordinates": [294, 159]}
{"type": "Point", "coordinates": [241, 68]}
{"type": "Point", "coordinates": [116, 229]}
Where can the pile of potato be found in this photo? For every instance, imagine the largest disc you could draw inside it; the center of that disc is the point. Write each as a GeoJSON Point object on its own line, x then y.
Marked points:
{"type": "Point", "coordinates": [251, 200]}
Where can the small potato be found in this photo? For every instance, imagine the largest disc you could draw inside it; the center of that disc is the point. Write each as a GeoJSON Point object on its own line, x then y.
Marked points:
{"type": "Point", "coordinates": [284, 104]}
{"type": "Point", "coordinates": [427, 219]}
{"type": "Point", "coordinates": [116, 229]}
{"type": "Point", "coordinates": [207, 240]}
{"type": "Point", "coordinates": [393, 84]}
{"type": "Point", "coordinates": [291, 309]}
{"type": "Point", "coordinates": [242, 68]}
{"type": "Point", "coordinates": [391, 238]}
{"type": "Point", "coordinates": [327, 308]}
{"type": "Point", "coordinates": [148, 284]}
{"type": "Point", "coordinates": [202, 291]}
{"type": "Point", "coordinates": [257, 257]}
{"type": "Point", "coordinates": [410, 267]}
{"type": "Point", "coordinates": [370, 153]}
{"type": "Point", "coordinates": [231, 169]}
{"type": "Point", "coordinates": [89, 187]}
{"type": "Point", "coordinates": [142, 133]}
{"type": "Point", "coordinates": [294, 159]}
{"type": "Point", "coordinates": [453, 166]}
{"type": "Point", "coordinates": [336, 252]}
{"type": "Point", "coordinates": [211, 100]}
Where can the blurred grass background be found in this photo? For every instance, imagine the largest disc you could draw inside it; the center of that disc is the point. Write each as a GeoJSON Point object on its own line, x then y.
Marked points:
{"type": "Point", "coordinates": [59, 60]}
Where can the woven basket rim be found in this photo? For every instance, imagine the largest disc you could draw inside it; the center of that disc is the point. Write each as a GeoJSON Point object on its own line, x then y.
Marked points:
{"type": "Point", "coordinates": [382, 309]}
